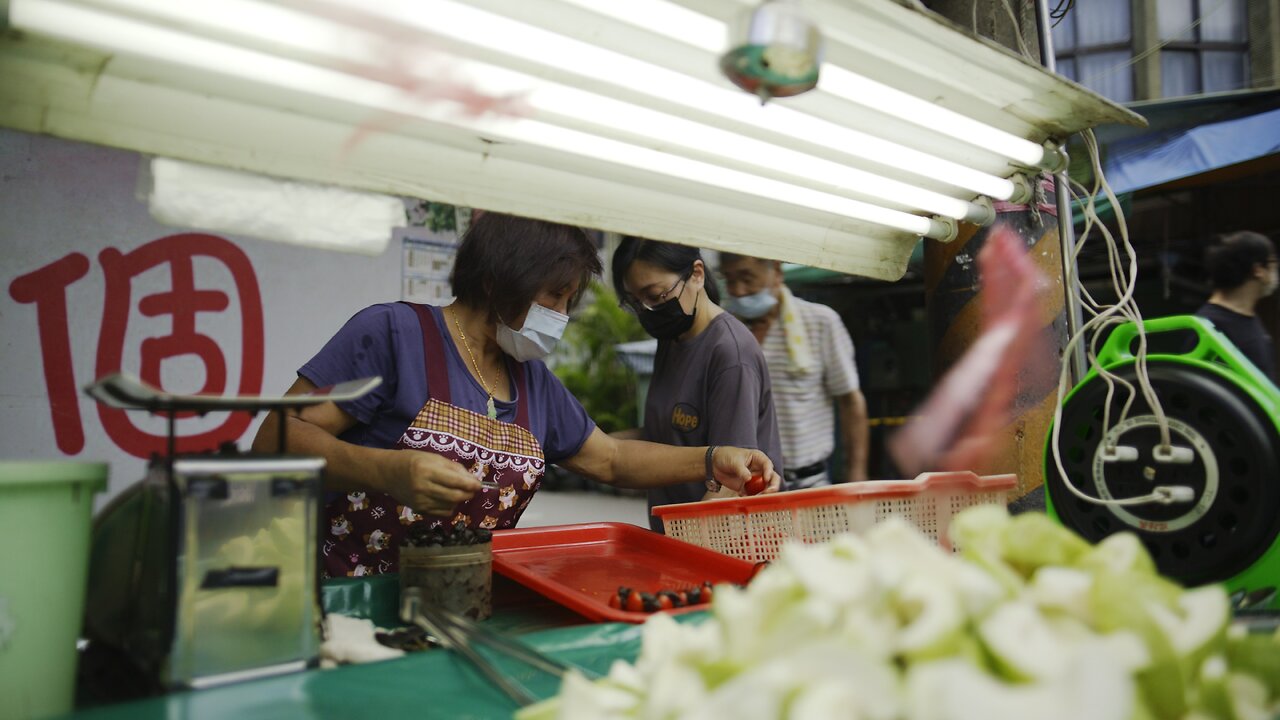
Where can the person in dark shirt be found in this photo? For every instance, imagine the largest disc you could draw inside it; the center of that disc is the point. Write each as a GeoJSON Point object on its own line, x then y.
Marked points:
{"type": "Point", "coordinates": [711, 384]}
{"type": "Point", "coordinates": [1242, 268]}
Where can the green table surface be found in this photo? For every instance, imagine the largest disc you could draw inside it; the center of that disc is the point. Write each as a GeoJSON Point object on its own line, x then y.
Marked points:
{"type": "Point", "coordinates": [429, 684]}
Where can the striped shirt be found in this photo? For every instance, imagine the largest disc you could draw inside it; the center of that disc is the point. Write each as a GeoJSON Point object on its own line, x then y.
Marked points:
{"type": "Point", "coordinates": [804, 406]}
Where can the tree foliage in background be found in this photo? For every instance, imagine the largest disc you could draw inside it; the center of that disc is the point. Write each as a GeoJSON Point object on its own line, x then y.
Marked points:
{"type": "Point", "coordinates": [589, 366]}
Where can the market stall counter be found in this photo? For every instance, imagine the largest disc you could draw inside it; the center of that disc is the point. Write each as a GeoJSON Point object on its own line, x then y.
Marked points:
{"type": "Point", "coordinates": [431, 683]}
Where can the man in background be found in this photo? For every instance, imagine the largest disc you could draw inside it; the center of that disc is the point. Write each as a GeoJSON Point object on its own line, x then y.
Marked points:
{"type": "Point", "coordinates": [810, 358]}
{"type": "Point", "coordinates": [1242, 268]}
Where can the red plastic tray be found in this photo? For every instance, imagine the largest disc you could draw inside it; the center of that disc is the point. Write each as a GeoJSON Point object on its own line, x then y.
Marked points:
{"type": "Point", "coordinates": [580, 566]}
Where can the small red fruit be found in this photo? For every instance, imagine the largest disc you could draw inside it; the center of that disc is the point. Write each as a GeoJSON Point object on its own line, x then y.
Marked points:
{"type": "Point", "coordinates": [755, 485]}
{"type": "Point", "coordinates": [635, 603]}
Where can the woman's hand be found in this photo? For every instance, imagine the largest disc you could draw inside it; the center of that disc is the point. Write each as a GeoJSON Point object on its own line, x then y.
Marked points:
{"type": "Point", "coordinates": [428, 483]}
{"type": "Point", "coordinates": [723, 493]}
{"type": "Point", "coordinates": [733, 467]}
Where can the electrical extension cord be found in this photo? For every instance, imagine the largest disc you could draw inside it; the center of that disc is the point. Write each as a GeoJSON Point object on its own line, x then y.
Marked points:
{"type": "Point", "coordinates": [1125, 309]}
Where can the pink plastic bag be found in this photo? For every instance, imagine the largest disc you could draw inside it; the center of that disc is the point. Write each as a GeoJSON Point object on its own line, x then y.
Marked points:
{"type": "Point", "coordinates": [957, 427]}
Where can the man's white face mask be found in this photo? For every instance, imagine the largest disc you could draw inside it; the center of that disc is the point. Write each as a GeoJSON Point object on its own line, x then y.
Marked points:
{"type": "Point", "coordinates": [753, 306]}
{"type": "Point", "coordinates": [537, 338]}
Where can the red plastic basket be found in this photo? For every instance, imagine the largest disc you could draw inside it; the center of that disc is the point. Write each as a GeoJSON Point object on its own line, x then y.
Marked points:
{"type": "Point", "coordinates": [756, 528]}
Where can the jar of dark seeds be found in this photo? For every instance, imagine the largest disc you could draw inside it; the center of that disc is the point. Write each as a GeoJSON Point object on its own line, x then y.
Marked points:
{"type": "Point", "coordinates": [451, 566]}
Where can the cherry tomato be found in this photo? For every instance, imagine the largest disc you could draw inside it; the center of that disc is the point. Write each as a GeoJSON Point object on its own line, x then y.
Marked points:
{"type": "Point", "coordinates": [707, 593]}
{"type": "Point", "coordinates": [614, 602]}
{"type": "Point", "coordinates": [635, 603]}
{"type": "Point", "coordinates": [664, 602]}
{"type": "Point", "coordinates": [755, 485]}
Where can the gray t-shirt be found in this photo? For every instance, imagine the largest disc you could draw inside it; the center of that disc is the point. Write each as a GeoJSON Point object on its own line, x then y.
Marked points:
{"type": "Point", "coordinates": [712, 389]}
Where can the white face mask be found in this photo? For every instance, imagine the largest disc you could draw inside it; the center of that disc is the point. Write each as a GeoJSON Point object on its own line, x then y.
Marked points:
{"type": "Point", "coordinates": [537, 338]}
{"type": "Point", "coordinates": [752, 306]}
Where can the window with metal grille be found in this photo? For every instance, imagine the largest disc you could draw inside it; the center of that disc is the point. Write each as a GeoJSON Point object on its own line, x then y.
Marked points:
{"type": "Point", "coordinates": [1093, 45]}
{"type": "Point", "coordinates": [1205, 46]}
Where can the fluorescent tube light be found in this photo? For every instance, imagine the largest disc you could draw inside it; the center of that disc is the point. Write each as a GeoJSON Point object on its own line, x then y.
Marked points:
{"type": "Point", "coordinates": [853, 87]}
{"type": "Point", "coordinates": [706, 33]}
{"type": "Point", "coordinates": [309, 35]}
{"type": "Point", "coordinates": [208, 198]}
{"type": "Point", "coordinates": [278, 24]}
{"type": "Point", "coordinates": [115, 34]}
{"type": "Point", "coordinates": [672, 131]}
{"type": "Point", "coordinates": [588, 145]}
{"type": "Point", "coordinates": [536, 45]}
{"type": "Point", "coordinates": [254, 19]}
{"type": "Point", "coordinates": [287, 86]}
{"type": "Point", "coordinates": [664, 18]}
{"type": "Point", "coordinates": [120, 35]}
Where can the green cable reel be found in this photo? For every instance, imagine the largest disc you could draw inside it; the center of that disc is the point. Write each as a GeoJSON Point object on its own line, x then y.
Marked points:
{"type": "Point", "coordinates": [1223, 409]}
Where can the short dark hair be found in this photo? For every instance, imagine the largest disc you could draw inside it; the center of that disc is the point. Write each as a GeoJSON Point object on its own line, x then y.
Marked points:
{"type": "Point", "coordinates": [727, 258]}
{"type": "Point", "coordinates": [669, 256]}
{"type": "Point", "coordinates": [504, 262]}
{"type": "Point", "coordinates": [1230, 258]}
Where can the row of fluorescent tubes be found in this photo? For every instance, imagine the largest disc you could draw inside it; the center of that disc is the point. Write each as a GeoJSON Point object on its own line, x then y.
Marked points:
{"type": "Point", "coordinates": [709, 34]}
{"type": "Point", "coordinates": [94, 24]}
{"type": "Point", "coordinates": [536, 45]}
{"type": "Point", "coordinates": [302, 33]}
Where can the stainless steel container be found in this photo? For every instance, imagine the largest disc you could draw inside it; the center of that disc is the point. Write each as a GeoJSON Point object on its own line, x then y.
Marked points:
{"type": "Point", "coordinates": [206, 571]}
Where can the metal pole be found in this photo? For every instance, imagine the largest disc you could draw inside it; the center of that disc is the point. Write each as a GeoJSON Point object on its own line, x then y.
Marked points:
{"type": "Point", "coordinates": [1066, 225]}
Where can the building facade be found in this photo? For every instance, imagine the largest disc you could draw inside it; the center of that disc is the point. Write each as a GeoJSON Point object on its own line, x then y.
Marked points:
{"type": "Point", "coordinates": [1134, 50]}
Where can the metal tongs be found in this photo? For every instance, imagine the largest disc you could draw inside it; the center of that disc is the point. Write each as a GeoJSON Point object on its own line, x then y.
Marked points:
{"type": "Point", "coordinates": [461, 634]}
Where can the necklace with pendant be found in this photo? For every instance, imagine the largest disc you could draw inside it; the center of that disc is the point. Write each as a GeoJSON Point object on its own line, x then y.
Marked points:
{"type": "Point", "coordinates": [492, 411]}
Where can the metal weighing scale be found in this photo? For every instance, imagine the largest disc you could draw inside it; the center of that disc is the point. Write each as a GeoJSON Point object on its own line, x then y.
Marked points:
{"type": "Point", "coordinates": [1225, 414]}
{"type": "Point", "coordinates": [205, 571]}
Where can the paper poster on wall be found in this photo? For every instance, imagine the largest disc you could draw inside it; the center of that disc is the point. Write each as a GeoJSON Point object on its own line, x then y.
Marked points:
{"type": "Point", "coordinates": [426, 264]}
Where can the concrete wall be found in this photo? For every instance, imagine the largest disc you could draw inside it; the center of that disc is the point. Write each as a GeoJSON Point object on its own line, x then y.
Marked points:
{"type": "Point", "coordinates": [90, 284]}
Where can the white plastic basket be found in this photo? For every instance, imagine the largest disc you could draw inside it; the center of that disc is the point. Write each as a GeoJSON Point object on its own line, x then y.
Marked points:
{"type": "Point", "coordinates": [756, 528]}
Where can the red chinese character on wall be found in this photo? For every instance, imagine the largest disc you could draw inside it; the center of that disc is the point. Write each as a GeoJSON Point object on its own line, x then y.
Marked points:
{"type": "Point", "coordinates": [183, 302]}
{"type": "Point", "coordinates": [47, 289]}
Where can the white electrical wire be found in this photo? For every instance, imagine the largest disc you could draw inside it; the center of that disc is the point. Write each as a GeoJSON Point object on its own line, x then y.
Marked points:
{"type": "Point", "coordinates": [1144, 379]}
{"type": "Point", "coordinates": [1125, 309]}
{"type": "Point", "coordinates": [1096, 308]}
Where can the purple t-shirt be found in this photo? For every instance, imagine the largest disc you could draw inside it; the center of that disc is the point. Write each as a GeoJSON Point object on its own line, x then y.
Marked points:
{"type": "Point", "coordinates": [386, 340]}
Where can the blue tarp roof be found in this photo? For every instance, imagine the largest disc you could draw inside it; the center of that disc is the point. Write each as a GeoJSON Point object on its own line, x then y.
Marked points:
{"type": "Point", "coordinates": [1184, 137]}
{"type": "Point", "coordinates": [1149, 160]}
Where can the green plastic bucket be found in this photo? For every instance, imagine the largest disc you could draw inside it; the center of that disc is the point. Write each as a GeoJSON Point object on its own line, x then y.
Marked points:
{"type": "Point", "coordinates": [45, 510]}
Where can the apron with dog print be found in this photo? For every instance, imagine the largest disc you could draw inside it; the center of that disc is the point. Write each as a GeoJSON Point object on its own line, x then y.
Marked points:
{"type": "Point", "coordinates": [366, 529]}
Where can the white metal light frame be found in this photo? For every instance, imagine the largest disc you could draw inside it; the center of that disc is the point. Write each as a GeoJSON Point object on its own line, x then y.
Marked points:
{"type": "Point", "coordinates": [622, 93]}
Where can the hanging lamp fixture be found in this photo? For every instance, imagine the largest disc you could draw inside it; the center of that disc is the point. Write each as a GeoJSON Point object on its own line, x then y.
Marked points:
{"type": "Point", "coordinates": [774, 51]}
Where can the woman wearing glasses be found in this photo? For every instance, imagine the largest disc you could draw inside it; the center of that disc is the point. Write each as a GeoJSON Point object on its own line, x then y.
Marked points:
{"type": "Point", "coordinates": [467, 416]}
{"type": "Point", "coordinates": [710, 383]}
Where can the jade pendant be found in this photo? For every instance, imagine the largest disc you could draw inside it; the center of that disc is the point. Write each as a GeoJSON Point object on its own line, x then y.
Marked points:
{"type": "Point", "coordinates": [493, 411]}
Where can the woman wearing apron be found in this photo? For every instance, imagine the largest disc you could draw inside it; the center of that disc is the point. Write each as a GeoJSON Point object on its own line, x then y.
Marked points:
{"type": "Point", "coordinates": [468, 416]}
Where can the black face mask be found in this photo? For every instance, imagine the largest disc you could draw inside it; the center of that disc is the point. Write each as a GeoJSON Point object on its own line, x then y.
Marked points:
{"type": "Point", "coordinates": [668, 320]}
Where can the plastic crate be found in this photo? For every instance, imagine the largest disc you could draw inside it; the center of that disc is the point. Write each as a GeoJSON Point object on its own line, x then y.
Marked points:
{"type": "Point", "coordinates": [756, 528]}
